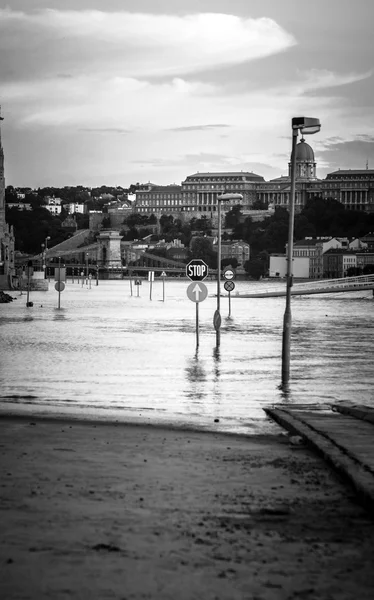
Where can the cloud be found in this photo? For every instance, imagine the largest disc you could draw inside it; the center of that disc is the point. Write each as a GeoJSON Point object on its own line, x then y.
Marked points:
{"type": "Point", "coordinates": [319, 79]}
{"type": "Point", "coordinates": [200, 127]}
{"type": "Point", "coordinates": [350, 153]}
{"type": "Point", "coordinates": [105, 130]}
{"type": "Point", "coordinates": [133, 44]}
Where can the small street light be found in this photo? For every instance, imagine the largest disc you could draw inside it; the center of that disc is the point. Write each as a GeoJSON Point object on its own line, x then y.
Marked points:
{"type": "Point", "coordinates": [306, 126]}
{"type": "Point", "coordinates": [224, 197]}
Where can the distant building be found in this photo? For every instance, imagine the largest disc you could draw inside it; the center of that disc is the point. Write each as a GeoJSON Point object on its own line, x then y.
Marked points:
{"type": "Point", "coordinates": [354, 188]}
{"type": "Point", "coordinates": [19, 205]}
{"type": "Point", "coordinates": [337, 261]}
{"type": "Point", "coordinates": [53, 205]}
{"type": "Point", "coordinates": [69, 224]}
{"type": "Point", "coordinates": [237, 249]}
{"type": "Point", "coordinates": [75, 207]}
{"type": "Point", "coordinates": [159, 200]}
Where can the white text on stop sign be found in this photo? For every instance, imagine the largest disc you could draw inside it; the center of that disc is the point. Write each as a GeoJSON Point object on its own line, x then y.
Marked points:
{"type": "Point", "coordinates": [196, 270]}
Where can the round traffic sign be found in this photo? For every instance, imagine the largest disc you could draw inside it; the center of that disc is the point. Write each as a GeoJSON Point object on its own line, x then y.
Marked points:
{"type": "Point", "coordinates": [197, 270]}
{"type": "Point", "coordinates": [59, 286]}
{"type": "Point", "coordinates": [217, 320]}
{"type": "Point", "coordinates": [229, 286]}
{"type": "Point", "coordinates": [197, 291]}
{"type": "Point", "coordinates": [229, 273]}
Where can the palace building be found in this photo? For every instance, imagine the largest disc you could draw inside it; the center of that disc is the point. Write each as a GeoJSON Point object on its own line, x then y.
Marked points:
{"type": "Point", "coordinates": [197, 195]}
{"type": "Point", "coordinates": [198, 192]}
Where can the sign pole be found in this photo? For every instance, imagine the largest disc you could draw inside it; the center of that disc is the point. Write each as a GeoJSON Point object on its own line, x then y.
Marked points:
{"type": "Point", "coordinates": [197, 324]}
{"type": "Point", "coordinates": [130, 282]}
{"type": "Point", "coordinates": [59, 280]}
{"type": "Point", "coordinates": [163, 289]}
{"type": "Point", "coordinates": [229, 304]}
{"type": "Point", "coordinates": [150, 289]}
{"type": "Point", "coordinates": [28, 287]}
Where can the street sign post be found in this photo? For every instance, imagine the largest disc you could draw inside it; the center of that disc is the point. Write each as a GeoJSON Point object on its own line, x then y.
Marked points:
{"type": "Point", "coordinates": [138, 282]}
{"type": "Point", "coordinates": [229, 274]}
{"type": "Point", "coordinates": [217, 320]}
{"type": "Point", "coordinates": [163, 275]}
{"type": "Point", "coordinates": [197, 270]}
{"type": "Point", "coordinates": [30, 271]}
{"type": "Point", "coordinates": [229, 287]}
{"type": "Point", "coordinates": [59, 286]}
{"type": "Point", "coordinates": [151, 278]}
{"type": "Point", "coordinates": [197, 292]}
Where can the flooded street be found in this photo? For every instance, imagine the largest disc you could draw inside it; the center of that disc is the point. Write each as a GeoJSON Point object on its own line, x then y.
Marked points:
{"type": "Point", "coordinates": [111, 355]}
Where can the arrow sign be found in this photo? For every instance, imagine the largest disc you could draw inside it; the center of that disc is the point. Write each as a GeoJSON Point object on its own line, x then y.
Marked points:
{"type": "Point", "coordinates": [197, 292]}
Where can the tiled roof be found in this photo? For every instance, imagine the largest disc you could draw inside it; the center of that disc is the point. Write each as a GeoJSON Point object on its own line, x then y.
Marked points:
{"type": "Point", "coordinates": [161, 189]}
{"type": "Point", "coordinates": [226, 174]}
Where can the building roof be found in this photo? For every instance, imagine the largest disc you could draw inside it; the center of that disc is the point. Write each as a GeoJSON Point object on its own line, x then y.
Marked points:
{"type": "Point", "coordinates": [313, 241]}
{"type": "Point", "coordinates": [304, 152]}
{"type": "Point", "coordinates": [161, 188]}
{"type": "Point", "coordinates": [351, 172]}
{"type": "Point", "coordinates": [239, 174]}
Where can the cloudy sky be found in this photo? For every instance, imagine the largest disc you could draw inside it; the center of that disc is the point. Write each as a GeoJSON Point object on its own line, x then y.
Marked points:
{"type": "Point", "coordinates": [118, 91]}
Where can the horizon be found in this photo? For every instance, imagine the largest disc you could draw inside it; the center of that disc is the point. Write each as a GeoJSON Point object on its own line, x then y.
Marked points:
{"type": "Point", "coordinates": [93, 93]}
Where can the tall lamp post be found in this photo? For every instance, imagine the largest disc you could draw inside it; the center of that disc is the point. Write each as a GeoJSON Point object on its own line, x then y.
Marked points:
{"type": "Point", "coordinates": [224, 197]}
{"type": "Point", "coordinates": [306, 126]}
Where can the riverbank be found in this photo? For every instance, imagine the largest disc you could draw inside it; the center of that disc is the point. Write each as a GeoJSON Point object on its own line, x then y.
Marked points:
{"type": "Point", "coordinates": [117, 511]}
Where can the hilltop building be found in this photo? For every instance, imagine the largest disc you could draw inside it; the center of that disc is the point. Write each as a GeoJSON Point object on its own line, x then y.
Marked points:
{"type": "Point", "coordinates": [6, 232]}
{"type": "Point", "coordinates": [198, 192]}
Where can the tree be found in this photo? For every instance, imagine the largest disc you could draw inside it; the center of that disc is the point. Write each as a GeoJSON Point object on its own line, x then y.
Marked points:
{"type": "Point", "coordinates": [368, 269]}
{"type": "Point", "coordinates": [229, 262]}
{"type": "Point", "coordinates": [233, 216]}
{"type": "Point", "coordinates": [202, 248]}
{"type": "Point", "coordinates": [254, 268]}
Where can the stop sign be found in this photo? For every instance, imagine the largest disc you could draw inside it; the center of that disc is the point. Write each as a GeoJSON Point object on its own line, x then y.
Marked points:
{"type": "Point", "coordinates": [197, 270]}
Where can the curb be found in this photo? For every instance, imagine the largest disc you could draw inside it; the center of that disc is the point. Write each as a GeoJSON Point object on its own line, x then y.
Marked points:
{"type": "Point", "coordinates": [358, 411]}
{"type": "Point", "coordinates": [351, 470]}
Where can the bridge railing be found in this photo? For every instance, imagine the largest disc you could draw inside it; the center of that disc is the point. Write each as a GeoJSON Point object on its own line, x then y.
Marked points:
{"type": "Point", "coordinates": [318, 284]}
{"type": "Point", "coordinates": [358, 281]}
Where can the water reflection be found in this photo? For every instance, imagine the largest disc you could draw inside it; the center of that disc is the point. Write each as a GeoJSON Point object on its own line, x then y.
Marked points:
{"type": "Point", "coordinates": [285, 392]}
{"type": "Point", "coordinates": [196, 377]}
{"type": "Point", "coordinates": [194, 370]}
{"type": "Point", "coordinates": [216, 362]}
{"type": "Point", "coordinates": [59, 314]}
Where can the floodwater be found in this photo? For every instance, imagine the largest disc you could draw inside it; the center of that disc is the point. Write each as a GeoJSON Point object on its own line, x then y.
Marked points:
{"type": "Point", "coordinates": [107, 354]}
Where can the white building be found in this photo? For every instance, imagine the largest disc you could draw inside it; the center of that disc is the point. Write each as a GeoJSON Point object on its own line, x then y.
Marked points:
{"type": "Point", "coordinates": [53, 205]}
{"type": "Point", "coordinates": [75, 207]}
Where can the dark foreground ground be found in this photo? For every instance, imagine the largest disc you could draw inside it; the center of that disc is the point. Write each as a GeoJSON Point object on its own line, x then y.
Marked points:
{"type": "Point", "coordinates": [93, 511]}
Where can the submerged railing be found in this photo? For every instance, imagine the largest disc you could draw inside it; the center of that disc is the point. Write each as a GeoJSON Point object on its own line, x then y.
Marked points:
{"type": "Point", "coordinates": [316, 286]}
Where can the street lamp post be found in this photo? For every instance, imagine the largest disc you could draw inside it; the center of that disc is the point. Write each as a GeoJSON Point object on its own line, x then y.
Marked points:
{"type": "Point", "coordinates": [45, 248]}
{"type": "Point", "coordinates": [217, 315]}
{"type": "Point", "coordinates": [307, 126]}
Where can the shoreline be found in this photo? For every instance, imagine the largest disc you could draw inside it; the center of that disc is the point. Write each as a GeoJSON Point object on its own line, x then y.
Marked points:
{"type": "Point", "coordinates": [103, 510]}
{"type": "Point", "coordinates": [139, 423]}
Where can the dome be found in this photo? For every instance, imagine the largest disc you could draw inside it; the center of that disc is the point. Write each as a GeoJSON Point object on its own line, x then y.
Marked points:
{"type": "Point", "coordinates": [304, 152]}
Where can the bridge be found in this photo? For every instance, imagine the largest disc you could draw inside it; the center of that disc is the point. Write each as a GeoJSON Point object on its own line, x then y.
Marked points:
{"type": "Point", "coordinates": [317, 286]}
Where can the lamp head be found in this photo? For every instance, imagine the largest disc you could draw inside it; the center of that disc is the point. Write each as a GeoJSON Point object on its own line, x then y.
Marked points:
{"type": "Point", "coordinates": [306, 125]}
{"type": "Point", "coordinates": [228, 196]}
